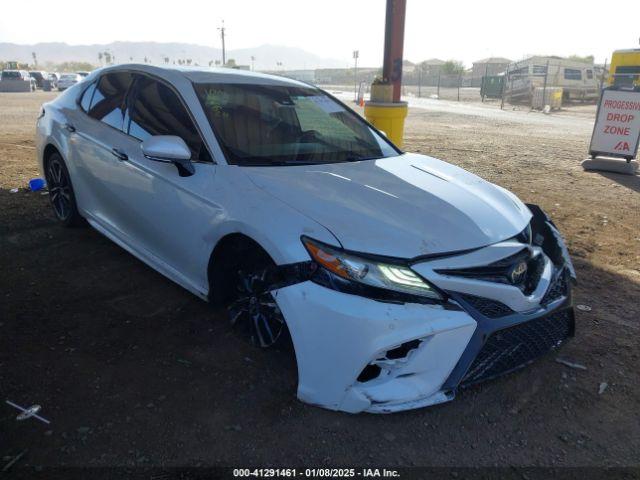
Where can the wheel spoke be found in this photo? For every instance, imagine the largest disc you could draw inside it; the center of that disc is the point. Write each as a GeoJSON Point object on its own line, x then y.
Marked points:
{"type": "Point", "coordinates": [51, 180]}
{"type": "Point", "coordinates": [54, 172]}
{"type": "Point", "coordinates": [234, 314]}
{"type": "Point", "coordinates": [265, 323]}
{"type": "Point", "coordinates": [61, 205]}
{"type": "Point", "coordinates": [256, 326]}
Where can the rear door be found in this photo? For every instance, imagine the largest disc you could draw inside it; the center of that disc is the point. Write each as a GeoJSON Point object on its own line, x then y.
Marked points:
{"type": "Point", "coordinates": [96, 145]}
{"type": "Point", "coordinates": [167, 215]}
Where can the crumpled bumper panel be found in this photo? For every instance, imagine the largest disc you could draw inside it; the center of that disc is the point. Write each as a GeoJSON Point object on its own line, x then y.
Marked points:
{"type": "Point", "coordinates": [337, 336]}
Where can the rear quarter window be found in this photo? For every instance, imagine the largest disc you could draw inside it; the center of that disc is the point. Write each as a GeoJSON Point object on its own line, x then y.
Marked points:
{"type": "Point", "coordinates": [85, 101]}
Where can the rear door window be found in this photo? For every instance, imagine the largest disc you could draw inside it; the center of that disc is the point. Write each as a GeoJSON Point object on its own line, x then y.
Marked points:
{"type": "Point", "coordinates": [108, 104]}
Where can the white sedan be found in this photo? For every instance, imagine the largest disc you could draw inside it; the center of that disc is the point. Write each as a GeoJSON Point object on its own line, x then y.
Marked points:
{"type": "Point", "coordinates": [396, 278]}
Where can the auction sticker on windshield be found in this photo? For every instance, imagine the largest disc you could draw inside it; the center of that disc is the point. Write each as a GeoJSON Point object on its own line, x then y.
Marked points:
{"type": "Point", "coordinates": [617, 128]}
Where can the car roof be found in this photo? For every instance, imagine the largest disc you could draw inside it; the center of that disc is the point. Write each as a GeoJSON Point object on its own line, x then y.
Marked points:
{"type": "Point", "coordinates": [210, 74]}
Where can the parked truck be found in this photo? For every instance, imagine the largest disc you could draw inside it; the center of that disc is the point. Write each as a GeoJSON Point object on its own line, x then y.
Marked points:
{"type": "Point", "coordinates": [625, 68]}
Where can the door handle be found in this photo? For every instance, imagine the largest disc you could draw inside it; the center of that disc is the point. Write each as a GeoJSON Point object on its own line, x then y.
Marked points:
{"type": "Point", "coordinates": [119, 155]}
{"type": "Point", "coordinates": [69, 127]}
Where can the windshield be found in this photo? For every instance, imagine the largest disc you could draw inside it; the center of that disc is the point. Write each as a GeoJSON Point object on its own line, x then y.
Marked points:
{"type": "Point", "coordinates": [271, 125]}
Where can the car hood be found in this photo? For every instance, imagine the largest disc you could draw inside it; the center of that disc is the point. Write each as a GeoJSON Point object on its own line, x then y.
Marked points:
{"type": "Point", "coordinates": [405, 206]}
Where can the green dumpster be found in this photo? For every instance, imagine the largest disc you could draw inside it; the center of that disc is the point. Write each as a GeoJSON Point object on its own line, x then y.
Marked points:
{"type": "Point", "coordinates": [491, 86]}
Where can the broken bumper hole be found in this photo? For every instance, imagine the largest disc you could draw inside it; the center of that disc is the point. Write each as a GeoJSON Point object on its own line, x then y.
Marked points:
{"type": "Point", "coordinates": [388, 361]}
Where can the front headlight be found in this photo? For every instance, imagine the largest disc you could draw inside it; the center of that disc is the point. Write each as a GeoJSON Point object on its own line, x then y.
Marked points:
{"type": "Point", "coordinates": [379, 276]}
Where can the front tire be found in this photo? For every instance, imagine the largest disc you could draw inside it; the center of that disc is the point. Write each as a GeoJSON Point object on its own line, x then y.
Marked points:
{"type": "Point", "coordinates": [61, 193]}
{"type": "Point", "coordinates": [253, 312]}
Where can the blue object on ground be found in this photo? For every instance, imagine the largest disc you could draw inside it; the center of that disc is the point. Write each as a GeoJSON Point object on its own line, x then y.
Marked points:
{"type": "Point", "coordinates": [36, 184]}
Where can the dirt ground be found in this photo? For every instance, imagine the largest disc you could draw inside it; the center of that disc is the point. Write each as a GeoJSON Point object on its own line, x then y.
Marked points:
{"type": "Point", "coordinates": [131, 370]}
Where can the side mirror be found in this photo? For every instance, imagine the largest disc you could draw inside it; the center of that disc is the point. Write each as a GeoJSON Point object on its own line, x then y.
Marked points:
{"type": "Point", "coordinates": [169, 149]}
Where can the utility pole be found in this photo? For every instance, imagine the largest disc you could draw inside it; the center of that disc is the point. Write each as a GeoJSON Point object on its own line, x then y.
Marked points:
{"type": "Point", "coordinates": [394, 45]}
{"type": "Point", "coordinates": [356, 54]}
{"type": "Point", "coordinates": [224, 53]}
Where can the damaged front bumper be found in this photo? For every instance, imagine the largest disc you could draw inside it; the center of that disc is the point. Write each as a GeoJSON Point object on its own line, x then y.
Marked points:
{"type": "Point", "coordinates": [337, 336]}
{"type": "Point", "coordinates": [356, 354]}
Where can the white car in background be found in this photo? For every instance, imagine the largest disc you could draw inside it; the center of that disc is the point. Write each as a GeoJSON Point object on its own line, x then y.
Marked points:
{"type": "Point", "coordinates": [397, 278]}
{"type": "Point", "coordinates": [67, 80]}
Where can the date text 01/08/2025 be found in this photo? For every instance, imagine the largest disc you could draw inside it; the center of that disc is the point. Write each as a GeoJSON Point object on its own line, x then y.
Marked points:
{"type": "Point", "coordinates": [315, 473]}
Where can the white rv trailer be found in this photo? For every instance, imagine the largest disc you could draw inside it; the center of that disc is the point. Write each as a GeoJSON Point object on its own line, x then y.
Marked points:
{"type": "Point", "coordinates": [577, 79]}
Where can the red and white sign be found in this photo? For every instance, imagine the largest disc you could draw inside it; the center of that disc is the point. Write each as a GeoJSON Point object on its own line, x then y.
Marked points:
{"type": "Point", "coordinates": [617, 129]}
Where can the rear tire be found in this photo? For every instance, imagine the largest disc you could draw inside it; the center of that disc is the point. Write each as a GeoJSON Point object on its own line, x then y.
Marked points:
{"type": "Point", "coordinates": [61, 193]}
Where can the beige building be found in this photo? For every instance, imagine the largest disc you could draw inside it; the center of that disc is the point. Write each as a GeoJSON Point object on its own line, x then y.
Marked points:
{"type": "Point", "coordinates": [487, 66]}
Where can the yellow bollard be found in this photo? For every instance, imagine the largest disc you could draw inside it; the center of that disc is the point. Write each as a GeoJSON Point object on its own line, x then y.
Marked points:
{"type": "Point", "coordinates": [388, 117]}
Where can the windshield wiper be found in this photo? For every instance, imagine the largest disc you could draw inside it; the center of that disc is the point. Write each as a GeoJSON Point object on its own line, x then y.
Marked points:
{"type": "Point", "coordinates": [361, 159]}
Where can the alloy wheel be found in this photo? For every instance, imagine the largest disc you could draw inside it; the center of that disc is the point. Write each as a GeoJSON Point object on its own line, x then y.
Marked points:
{"type": "Point", "coordinates": [255, 314]}
{"type": "Point", "coordinates": [59, 189]}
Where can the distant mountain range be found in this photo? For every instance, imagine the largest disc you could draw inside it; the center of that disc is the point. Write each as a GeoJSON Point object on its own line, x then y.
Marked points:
{"type": "Point", "coordinates": [267, 57]}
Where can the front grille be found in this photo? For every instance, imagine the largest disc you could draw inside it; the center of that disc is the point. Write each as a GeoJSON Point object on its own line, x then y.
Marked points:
{"type": "Point", "coordinates": [501, 271]}
{"type": "Point", "coordinates": [514, 347]}
{"type": "Point", "coordinates": [534, 274]}
{"type": "Point", "coordinates": [486, 306]}
{"type": "Point", "coordinates": [557, 289]}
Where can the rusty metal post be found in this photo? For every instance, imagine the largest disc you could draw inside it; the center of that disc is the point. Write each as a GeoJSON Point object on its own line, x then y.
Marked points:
{"type": "Point", "coordinates": [394, 45]}
{"type": "Point", "coordinates": [544, 86]}
{"type": "Point", "coordinates": [504, 86]}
